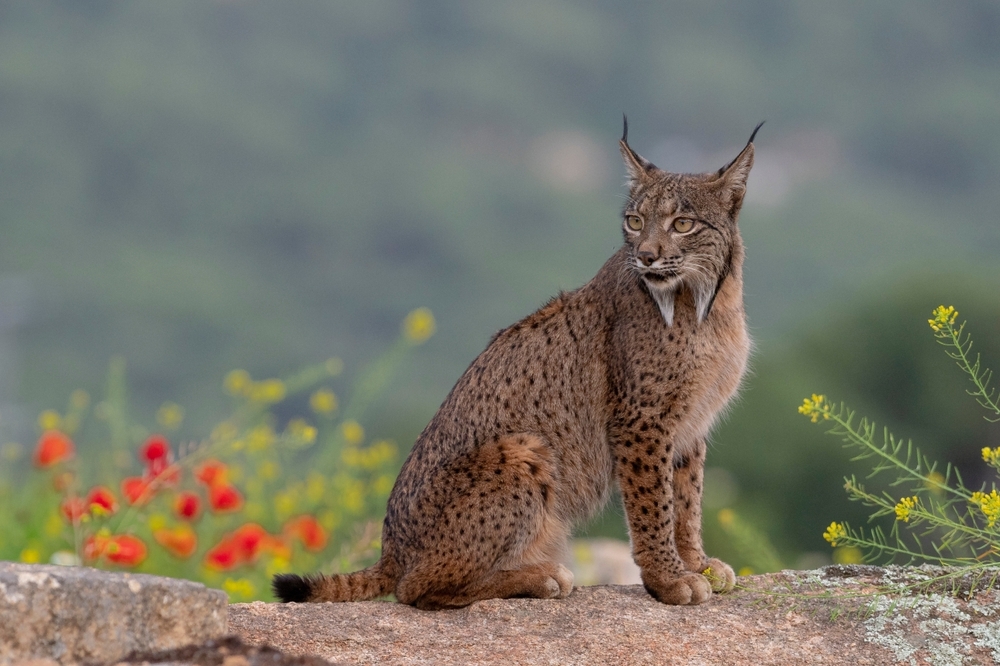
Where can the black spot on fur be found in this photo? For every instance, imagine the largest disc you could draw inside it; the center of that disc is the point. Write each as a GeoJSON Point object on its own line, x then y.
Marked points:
{"type": "Point", "coordinates": [292, 587]}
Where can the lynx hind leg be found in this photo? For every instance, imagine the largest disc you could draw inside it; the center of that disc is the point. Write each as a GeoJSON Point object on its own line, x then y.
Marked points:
{"type": "Point", "coordinates": [689, 476]}
{"type": "Point", "coordinates": [537, 581]}
{"type": "Point", "coordinates": [498, 537]}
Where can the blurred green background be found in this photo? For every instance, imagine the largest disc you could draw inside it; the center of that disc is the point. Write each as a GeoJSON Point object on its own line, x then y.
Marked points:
{"type": "Point", "coordinates": [200, 186]}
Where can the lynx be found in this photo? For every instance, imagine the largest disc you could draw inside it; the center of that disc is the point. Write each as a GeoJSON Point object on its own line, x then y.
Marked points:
{"type": "Point", "coordinates": [618, 381]}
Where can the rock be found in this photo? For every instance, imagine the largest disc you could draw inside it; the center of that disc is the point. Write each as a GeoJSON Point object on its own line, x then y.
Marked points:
{"type": "Point", "coordinates": [78, 614]}
{"type": "Point", "coordinates": [602, 562]}
{"type": "Point", "coordinates": [228, 651]}
{"type": "Point", "coordinates": [840, 615]}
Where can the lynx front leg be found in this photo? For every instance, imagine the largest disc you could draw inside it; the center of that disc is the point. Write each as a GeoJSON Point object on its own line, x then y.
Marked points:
{"type": "Point", "coordinates": [645, 475]}
{"type": "Point", "coordinates": [688, 481]}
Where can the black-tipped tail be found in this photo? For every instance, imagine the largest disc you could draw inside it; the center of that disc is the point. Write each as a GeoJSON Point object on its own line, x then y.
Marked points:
{"type": "Point", "coordinates": [292, 587]}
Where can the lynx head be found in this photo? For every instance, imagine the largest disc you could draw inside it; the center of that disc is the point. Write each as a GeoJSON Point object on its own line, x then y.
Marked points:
{"type": "Point", "coordinates": [680, 229]}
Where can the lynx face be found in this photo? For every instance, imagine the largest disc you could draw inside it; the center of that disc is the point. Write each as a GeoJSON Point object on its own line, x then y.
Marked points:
{"type": "Point", "coordinates": [680, 228]}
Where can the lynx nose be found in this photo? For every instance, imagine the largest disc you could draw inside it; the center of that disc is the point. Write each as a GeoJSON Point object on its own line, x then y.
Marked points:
{"type": "Point", "coordinates": [646, 257]}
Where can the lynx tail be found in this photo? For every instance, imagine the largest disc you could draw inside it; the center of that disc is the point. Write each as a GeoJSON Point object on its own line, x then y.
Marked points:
{"type": "Point", "coordinates": [358, 586]}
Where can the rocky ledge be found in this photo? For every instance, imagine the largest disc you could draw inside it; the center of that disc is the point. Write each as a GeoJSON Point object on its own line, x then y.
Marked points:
{"type": "Point", "coordinates": [78, 614]}
{"type": "Point", "coordinates": [838, 615]}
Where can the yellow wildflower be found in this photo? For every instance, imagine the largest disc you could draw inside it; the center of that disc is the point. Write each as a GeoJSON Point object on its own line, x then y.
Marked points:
{"type": "Point", "coordinates": [260, 437]}
{"type": "Point", "coordinates": [904, 507]}
{"type": "Point", "coordinates": [239, 588]}
{"type": "Point", "coordinates": [944, 317]}
{"type": "Point", "coordinates": [267, 391]}
{"type": "Point", "coordinates": [30, 556]}
{"type": "Point", "coordinates": [237, 382]}
{"type": "Point", "coordinates": [50, 420]}
{"type": "Point", "coordinates": [933, 482]}
{"type": "Point", "coordinates": [157, 521]}
{"type": "Point", "coordinates": [170, 415]}
{"type": "Point", "coordinates": [726, 517]}
{"type": "Point", "coordinates": [992, 456]}
{"type": "Point", "coordinates": [745, 571]}
{"type": "Point", "coordinates": [835, 533]}
{"type": "Point", "coordinates": [53, 525]}
{"type": "Point", "coordinates": [848, 555]}
{"type": "Point", "coordinates": [418, 326]}
{"type": "Point", "coordinates": [301, 430]}
{"type": "Point", "coordinates": [815, 408]}
{"type": "Point", "coordinates": [353, 432]}
{"type": "Point", "coordinates": [284, 504]}
{"type": "Point", "coordinates": [989, 505]}
{"type": "Point", "coordinates": [353, 497]}
{"type": "Point", "coordinates": [383, 484]}
{"type": "Point", "coordinates": [323, 401]}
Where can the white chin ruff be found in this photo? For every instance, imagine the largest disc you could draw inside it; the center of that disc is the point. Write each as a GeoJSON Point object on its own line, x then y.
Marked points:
{"type": "Point", "coordinates": [664, 297]}
{"type": "Point", "coordinates": [665, 294]}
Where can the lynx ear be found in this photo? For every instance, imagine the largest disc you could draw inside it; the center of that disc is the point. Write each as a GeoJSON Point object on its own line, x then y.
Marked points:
{"type": "Point", "coordinates": [733, 176]}
{"type": "Point", "coordinates": [637, 166]}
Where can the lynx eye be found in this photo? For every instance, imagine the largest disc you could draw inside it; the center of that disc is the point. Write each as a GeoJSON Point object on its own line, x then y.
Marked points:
{"type": "Point", "coordinates": [682, 225]}
{"type": "Point", "coordinates": [634, 222]}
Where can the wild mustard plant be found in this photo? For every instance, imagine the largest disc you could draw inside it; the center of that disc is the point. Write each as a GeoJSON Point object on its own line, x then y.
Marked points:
{"type": "Point", "coordinates": [229, 510]}
{"type": "Point", "coordinates": [938, 519]}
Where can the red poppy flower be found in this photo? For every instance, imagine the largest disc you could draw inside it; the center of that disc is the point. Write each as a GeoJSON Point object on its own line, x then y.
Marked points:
{"type": "Point", "coordinates": [187, 505]}
{"type": "Point", "coordinates": [125, 550]}
{"type": "Point", "coordinates": [156, 454]}
{"type": "Point", "coordinates": [101, 496]}
{"type": "Point", "coordinates": [211, 473]}
{"type": "Point", "coordinates": [121, 549]}
{"type": "Point", "coordinates": [224, 498]}
{"type": "Point", "coordinates": [249, 539]}
{"type": "Point", "coordinates": [73, 508]}
{"type": "Point", "coordinates": [180, 541]}
{"type": "Point", "coordinates": [53, 447]}
{"type": "Point", "coordinates": [223, 556]}
{"type": "Point", "coordinates": [307, 530]}
{"type": "Point", "coordinates": [243, 545]}
{"type": "Point", "coordinates": [136, 490]}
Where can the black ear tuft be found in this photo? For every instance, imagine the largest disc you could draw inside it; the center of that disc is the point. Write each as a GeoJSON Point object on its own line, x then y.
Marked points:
{"type": "Point", "coordinates": [625, 130]}
{"type": "Point", "coordinates": [290, 587]}
{"type": "Point", "coordinates": [759, 125]}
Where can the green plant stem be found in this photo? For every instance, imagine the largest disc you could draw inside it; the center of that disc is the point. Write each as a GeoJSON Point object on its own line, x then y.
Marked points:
{"type": "Point", "coordinates": [961, 356]}
{"type": "Point", "coordinates": [865, 441]}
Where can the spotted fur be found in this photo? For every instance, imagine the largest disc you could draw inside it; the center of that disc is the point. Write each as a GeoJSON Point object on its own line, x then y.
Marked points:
{"type": "Point", "coordinates": [618, 381]}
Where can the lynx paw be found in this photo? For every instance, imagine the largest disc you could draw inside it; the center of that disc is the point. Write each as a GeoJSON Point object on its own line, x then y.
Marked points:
{"type": "Point", "coordinates": [720, 575]}
{"type": "Point", "coordinates": [564, 579]}
{"type": "Point", "coordinates": [687, 589]}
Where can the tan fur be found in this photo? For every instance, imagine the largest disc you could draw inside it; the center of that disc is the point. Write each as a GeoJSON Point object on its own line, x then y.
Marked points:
{"type": "Point", "coordinates": [620, 380]}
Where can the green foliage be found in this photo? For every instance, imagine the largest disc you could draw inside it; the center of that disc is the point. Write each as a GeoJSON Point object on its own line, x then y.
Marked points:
{"type": "Point", "coordinates": [264, 492]}
{"type": "Point", "coordinates": [937, 518]}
